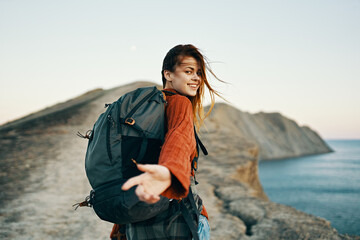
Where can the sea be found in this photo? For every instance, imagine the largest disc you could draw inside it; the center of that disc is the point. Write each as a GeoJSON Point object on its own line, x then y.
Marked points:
{"type": "Point", "coordinates": [325, 185]}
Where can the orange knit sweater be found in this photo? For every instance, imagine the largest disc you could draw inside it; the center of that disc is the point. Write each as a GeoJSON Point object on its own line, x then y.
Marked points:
{"type": "Point", "coordinates": [179, 147]}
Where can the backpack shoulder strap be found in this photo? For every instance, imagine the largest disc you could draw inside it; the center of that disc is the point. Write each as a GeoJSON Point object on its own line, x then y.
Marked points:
{"type": "Point", "coordinates": [171, 93]}
{"type": "Point", "coordinates": [187, 215]}
{"type": "Point", "coordinates": [199, 145]}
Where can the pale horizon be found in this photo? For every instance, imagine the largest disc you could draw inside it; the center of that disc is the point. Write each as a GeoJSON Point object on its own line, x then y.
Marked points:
{"type": "Point", "coordinates": [300, 59]}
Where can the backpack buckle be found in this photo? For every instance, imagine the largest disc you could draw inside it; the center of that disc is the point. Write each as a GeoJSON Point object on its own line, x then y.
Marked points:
{"type": "Point", "coordinates": [130, 121]}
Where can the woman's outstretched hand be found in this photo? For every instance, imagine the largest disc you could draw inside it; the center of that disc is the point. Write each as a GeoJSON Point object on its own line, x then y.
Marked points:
{"type": "Point", "coordinates": [155, 180]}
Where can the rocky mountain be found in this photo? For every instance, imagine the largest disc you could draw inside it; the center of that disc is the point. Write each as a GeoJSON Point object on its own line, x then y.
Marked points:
{"type": "Point", "coordinates": [42, 173]}
{"type": "Point", "coordinates": [275, 135]}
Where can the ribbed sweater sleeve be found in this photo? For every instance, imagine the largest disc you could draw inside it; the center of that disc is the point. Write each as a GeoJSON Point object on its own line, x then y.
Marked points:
{"type": "Point", "coordinates": [179, 146]}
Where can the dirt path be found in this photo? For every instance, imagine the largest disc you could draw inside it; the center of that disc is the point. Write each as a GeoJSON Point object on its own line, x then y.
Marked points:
{"type": "Point", "coordinates": [45, 210]}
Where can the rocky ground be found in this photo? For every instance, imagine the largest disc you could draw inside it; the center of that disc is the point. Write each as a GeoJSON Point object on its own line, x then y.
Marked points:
{"type": "Point", "coordinates": [42, 174]}
{"type": "Point", "coordinates": [239, 209]}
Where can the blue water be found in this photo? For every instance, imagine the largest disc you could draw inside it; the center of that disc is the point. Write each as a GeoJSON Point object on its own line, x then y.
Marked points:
{"type": "Point", "coordinates": [326, 185]}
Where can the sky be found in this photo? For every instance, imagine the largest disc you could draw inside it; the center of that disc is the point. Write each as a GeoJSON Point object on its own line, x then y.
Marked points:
{"type": "Point", "coordinates": [299, 58]}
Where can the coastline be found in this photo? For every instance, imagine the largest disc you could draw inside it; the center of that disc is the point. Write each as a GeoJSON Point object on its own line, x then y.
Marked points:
{"type": "Point", "coordinates": [327, 189]}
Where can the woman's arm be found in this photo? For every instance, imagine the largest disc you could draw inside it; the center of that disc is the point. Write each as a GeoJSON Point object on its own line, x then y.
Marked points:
{"type": "Point", "coordinates": [179, 147]}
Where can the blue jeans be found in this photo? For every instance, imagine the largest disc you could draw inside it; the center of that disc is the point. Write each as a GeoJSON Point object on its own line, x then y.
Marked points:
{"type": "Point", "coordinates": [203, 228]}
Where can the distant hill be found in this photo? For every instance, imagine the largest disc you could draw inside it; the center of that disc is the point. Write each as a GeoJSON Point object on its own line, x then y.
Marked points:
{"type": "Point", "coordinates": [42, 173]}
{"type": "Point", "coordinates": [275, 135]}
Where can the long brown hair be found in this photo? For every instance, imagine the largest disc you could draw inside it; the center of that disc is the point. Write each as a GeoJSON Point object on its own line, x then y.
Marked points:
{"type": "Point", "coordinates": [173, 59]}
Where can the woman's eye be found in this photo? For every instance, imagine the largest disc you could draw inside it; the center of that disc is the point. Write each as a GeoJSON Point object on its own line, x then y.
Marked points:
{"type": "Point", "coordinates": [198, 73]}
{"type": "Point", "coordinates": [187, 72]}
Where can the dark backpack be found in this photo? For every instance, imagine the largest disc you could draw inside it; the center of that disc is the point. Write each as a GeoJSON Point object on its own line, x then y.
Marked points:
{"type": "Point", "coordinates": [130, 131]}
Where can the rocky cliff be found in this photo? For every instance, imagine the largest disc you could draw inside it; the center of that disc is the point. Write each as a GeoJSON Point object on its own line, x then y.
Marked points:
{"type": "Point", "coordinates": [42, 174]}
{"type": "Point", "coordinates": [230, 186]}
{"type": "Point", "coordinates": [275, 135]}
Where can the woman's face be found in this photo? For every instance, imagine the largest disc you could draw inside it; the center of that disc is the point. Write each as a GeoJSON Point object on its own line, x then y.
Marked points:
{"type": "Point", "coordinates": [186, 78]}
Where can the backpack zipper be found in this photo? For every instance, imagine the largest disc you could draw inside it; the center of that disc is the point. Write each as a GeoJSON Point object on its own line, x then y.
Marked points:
{"type": "Point", "coordinates": [110, 121]}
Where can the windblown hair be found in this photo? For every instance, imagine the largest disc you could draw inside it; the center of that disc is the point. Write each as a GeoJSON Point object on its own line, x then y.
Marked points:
{"type": "Point", "coordinates": [173, 59]}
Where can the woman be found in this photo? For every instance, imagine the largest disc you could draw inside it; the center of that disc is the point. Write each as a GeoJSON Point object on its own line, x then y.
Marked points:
{"type": "Point", "coordinates": [184, 79]}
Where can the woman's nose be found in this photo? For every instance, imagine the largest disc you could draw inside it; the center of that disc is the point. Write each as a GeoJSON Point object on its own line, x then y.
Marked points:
{"type": "Point", "coordinates": [196, 77]}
